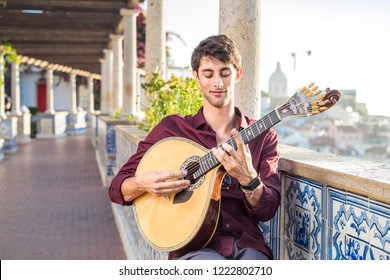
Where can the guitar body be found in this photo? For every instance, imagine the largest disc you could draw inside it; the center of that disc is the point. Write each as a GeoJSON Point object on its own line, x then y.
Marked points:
{"type": "Point", "coordinates": [178, 226]}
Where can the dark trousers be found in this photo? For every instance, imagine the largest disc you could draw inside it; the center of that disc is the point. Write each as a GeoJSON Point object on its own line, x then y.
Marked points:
{"type": "Point", "coordinates": [238, 254]}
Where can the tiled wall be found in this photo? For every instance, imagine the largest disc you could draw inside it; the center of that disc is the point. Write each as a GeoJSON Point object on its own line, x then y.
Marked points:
{"type": "Point", "coordinates": [322, 222]}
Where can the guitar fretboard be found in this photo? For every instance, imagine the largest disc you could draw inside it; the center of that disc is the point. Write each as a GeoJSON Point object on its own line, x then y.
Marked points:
{"type": "Point", "coordinates": [209, 161]}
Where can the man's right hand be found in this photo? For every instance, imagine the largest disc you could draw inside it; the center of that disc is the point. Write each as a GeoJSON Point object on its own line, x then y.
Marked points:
{"type": "Point", "coordinates": [157, 183]}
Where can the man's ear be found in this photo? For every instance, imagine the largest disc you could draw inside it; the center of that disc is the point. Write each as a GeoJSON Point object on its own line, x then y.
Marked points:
{"type": "Point", "coordinates": [195, 75]}
{"type": "Point", "coordinates": [239, 74]}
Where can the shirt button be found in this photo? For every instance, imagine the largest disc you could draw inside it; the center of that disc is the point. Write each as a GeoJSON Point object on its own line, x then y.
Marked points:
{"type": "Point", "coordinates": [227, 225]}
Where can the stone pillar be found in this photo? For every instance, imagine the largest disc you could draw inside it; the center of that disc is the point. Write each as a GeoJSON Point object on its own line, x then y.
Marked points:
{"type": "Point", "coordinates": [23, 116]}
{"type": "Point", "coordinates": [91, 99]}
{"type": "Point", "coordinates": [240, 20]}
{"type": "Point", "coordinates": [108, 60]}
{"type": "Point", "coordinates": [76, 120]}
{"type": "Point", "coordinates": [49, 92]}
{"type": "Point", "coordinates": [15, 89]}
{"type": "Point", "coordinates": [103, 87]}
{"type": "Point", "coordinates": [51, 124]}
{"type": "Point", "coordinates": [117, 67]}
{"type": "Point", "coordinates": [155, 54]}
{"type": "Point", "coordinates": [130, 62]}
{"type": "Point", "coordinates": [2, 88]}
{"type": "Point", "coordinates": [73, 93]}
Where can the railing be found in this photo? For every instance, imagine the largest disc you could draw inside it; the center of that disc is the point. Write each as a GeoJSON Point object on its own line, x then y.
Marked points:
{"type": "Point", "coordinates": [332, 207]}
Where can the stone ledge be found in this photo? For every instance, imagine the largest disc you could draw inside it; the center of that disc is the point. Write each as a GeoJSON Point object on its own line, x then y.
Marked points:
{"type": "Point", "coordinates": [370, 179]}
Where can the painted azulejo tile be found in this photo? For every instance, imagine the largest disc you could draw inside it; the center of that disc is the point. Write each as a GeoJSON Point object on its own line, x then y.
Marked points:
{"type": "Point", "coordinates": [379, 215]}
{"type": "Point", "coordinates": [358, 229]}
{"type": "Point", "coordinates": [111, 139]}
{"type": "Point", "coordinates": [304, 218]}
{"type": "Point", "coordinates": [271, 233]}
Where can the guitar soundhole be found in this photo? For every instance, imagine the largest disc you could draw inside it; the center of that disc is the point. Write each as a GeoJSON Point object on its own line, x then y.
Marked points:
{"type": "Point", "coordinates": [191, 165]}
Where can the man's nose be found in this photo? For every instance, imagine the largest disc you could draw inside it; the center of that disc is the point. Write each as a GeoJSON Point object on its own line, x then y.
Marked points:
{"type": "Point", "coordinates": [218, 82]}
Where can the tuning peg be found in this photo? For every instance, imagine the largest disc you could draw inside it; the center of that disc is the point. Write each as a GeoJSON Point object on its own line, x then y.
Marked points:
{"type": "Point", "coordinates": [322, 103]}
{"type": "Point", "coordinates": [303, 89]}
{"type": "Point", "coordinates": [323, 109]}
{"type": "Point", "coordinates": [307, 92]}
{"type": "Point", "coordinates": [315, 112]}
{"type": "Point", "coordinates": [314, 88]}
{"type": "Point", "coordinates": [310, 85]}
{"type": "Point", "coordinates": [317, 92]}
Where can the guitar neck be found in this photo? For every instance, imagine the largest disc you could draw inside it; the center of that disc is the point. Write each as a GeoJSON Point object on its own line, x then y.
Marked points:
{"type": "Point", "coordinates": [209, 161]}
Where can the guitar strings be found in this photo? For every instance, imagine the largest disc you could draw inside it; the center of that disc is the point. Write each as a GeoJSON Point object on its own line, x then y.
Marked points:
{"type": "Point", "coordinates": [209, 156]}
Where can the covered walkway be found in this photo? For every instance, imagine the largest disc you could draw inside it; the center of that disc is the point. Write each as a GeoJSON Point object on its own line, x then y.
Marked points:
{"type": "Point", "coordinates": [53, 204]}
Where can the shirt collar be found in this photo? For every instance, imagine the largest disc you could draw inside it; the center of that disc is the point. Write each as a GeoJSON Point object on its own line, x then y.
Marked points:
{"type": "Point", "coordinates": [199, 119]}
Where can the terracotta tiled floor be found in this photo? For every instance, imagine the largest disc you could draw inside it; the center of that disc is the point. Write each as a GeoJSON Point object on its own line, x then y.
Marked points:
{"type": "Point", "coordinates": [53, 204]}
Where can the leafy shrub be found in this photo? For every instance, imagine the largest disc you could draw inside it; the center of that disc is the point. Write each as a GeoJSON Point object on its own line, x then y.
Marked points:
{"type": "Point", "coordinates": [175, 96]}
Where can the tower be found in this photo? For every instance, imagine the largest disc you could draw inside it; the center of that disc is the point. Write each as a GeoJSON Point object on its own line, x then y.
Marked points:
{"type": "Point", "coordinates": [277, 86]}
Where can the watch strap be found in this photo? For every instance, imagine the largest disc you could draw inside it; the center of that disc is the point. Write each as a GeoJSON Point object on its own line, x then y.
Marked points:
{"type": "Point", "coordinates": [252, 185]}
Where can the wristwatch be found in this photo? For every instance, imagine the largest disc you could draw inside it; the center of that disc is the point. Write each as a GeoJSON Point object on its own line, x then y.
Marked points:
{"type": "Point", "coordinates": [249, 189]}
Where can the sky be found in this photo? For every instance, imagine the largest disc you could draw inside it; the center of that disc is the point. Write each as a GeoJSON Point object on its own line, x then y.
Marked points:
{"type": "Point", "coordinates": [349, 42]}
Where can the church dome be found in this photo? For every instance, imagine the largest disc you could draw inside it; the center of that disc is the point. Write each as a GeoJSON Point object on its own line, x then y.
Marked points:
{"type": "Point", "coordinates": [277, 83]}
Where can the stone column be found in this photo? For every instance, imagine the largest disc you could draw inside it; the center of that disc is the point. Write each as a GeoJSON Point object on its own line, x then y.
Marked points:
{"type": "Point", "coordinates": [240, 20]}
{"type": "Point", "coordinates": [76, 120]}
{"type": "Point", "coordinates": [109, 78]}
{"type": "Point", "coordinates": [2, 88]}
{"type": "Point", "coordinates": [73, 93]}
{"type": "Point", "coordinates": [23, 115]}
{"type": "Point", "coordinates": [130, 62]}
{"type": "Point", "coordinates": [49, 91]}
{"type": "Point", "coordinates": [117, 67]}
{"type": "Point", "coordinates": [103, 87]}
{"type": "Point", "coordinates": [15, 89]}
{"type": "Point", "coordinates": [155, 54]}
{"type": "Point", "coordinates": [91, 99]}
{"type": "Point", "coordinates": [51, 123]}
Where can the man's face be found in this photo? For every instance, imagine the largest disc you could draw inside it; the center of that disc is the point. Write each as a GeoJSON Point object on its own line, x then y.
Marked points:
{"type": "Point", "coordinates": [217, 81]}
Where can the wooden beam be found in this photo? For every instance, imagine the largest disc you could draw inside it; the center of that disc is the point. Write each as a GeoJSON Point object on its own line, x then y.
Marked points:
{"type": "Point", "coordinates": [70, 6]}
{"type": "Point", "coordinates": [74, 58]}
{"type": "Point", "coordinates": [63, 20]}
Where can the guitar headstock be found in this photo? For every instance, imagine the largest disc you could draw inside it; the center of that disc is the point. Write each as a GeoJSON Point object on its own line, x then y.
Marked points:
{"type": "Point", "coordinates": [309, 101]}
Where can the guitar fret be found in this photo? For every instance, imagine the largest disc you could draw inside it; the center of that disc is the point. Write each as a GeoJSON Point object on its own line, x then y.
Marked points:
{"type": "Point", "coordinates": [269, 117]}
{"type": "Point", "coordinates": [264, 126]}
{"type": "Point", "coordinates": [258, 127]}
{"type": "Point", "coordinates": [209, 161]}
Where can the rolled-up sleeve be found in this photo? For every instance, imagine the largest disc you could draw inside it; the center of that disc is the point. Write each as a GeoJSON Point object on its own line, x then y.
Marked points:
{"type": "Point", "coordinates": [268, 171]}
{"type": "Point", "coordinates": [127, 170]}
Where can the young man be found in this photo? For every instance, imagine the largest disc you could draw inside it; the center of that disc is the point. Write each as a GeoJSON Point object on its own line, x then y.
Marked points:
{"type": "Point", "coordinates": [254, 191]}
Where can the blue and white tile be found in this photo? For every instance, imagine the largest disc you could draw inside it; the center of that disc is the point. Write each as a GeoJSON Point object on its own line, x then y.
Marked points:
{"type": "Point", "coordinates": [349, 226]}
{"type": "Point", "coordinates": [379, 217]}
{"type": "Point", "coordinates": [304, 219]}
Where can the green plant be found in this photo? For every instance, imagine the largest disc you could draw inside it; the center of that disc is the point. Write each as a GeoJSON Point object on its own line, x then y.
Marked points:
{"type": "Point", "coordinates": [117, 113]}
{"type": "Point", "coordinates": [175, 96]}
{"type": "Point", "coordinates": [9, 53]}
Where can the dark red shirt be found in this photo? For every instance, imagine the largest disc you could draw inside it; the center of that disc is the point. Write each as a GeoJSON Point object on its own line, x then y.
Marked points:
{"type": "Point", "coordinates": [237, 219]}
